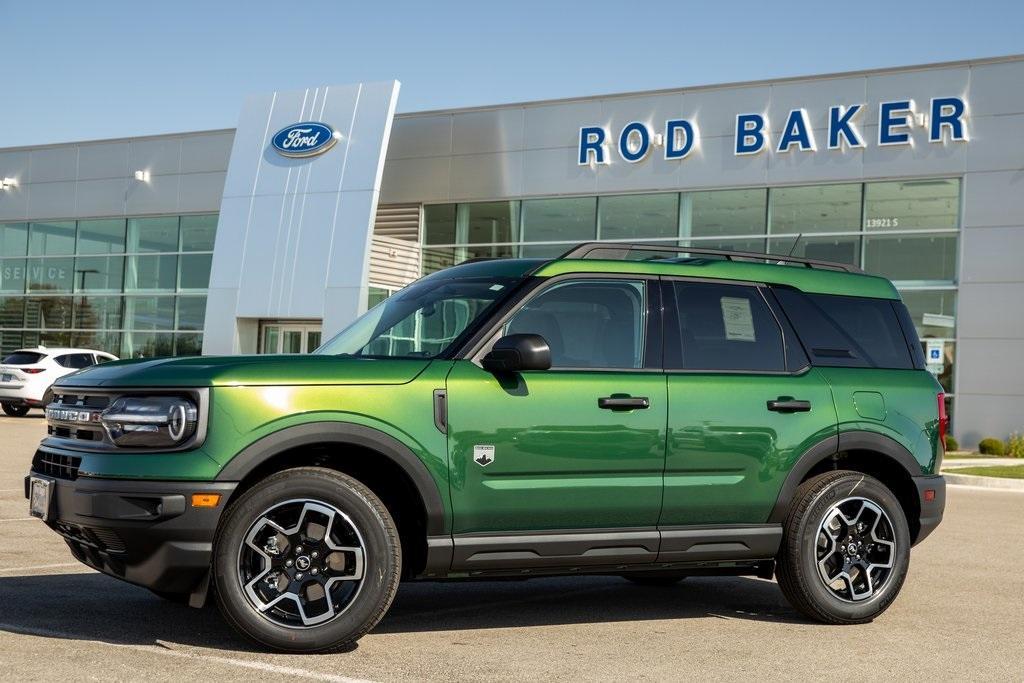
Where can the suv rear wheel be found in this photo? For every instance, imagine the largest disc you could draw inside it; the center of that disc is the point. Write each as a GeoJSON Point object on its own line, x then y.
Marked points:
{"type": "Point", "coordinates": [307, 560]}
{"type": "Point", "coordinates": [845, 549]}
{"type": "Point", "coordinates": [15, 409]}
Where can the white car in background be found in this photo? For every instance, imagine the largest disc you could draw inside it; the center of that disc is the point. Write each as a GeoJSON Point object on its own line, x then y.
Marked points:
{"type": "Point", "coordinates": [27, 374]}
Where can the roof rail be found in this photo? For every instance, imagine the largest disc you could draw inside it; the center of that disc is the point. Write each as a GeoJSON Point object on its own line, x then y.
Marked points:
{"type": "Point", "coordinates": [617, 251]}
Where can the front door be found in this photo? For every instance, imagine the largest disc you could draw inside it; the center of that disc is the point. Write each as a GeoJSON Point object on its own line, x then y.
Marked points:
{"type": "Point", "coordinates": [276, 337]}
{"type": "Point", "coordinates": [579, 446]}
{"type": "Point", "coordinates": [743, 404]}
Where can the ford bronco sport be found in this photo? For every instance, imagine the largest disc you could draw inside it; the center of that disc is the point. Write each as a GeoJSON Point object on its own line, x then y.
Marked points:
{"type": "Point", "coordinates": [630, 410]}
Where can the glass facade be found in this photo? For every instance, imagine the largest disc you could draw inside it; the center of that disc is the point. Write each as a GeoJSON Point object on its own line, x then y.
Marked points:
{"type": "Point", "coordinates": [133, 287]}
{"type": "Point", "coordinates": [906, 230]}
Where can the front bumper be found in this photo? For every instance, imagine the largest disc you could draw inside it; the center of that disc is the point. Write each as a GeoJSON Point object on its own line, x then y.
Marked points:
{"type": "Point", "coordinates": [144, 532]}
{"type": "Point", "coordinates": [931, 510]}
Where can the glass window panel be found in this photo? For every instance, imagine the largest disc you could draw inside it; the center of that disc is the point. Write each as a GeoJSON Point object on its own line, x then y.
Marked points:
{"type": "Point", "coordinates": [932, 311]}
{"type": "Point", "coordinates": [911, 257]}
{"type": "Point", "coordinates": [99, 340]}
{"type": "Point", "coordinates": [48, 312]}
{"type": "Point", "coordinates": [728, 212]}
{"type": "Point", "coordinates": [51, 274]}
{"type": "Point", "coordinates": [195, 271]}
{"type": "Point", "coordinates": [51, 239]}
{"type": "Point", "coordinates": [271, 339]}
{"type": "Point", "coordinates": [912, 205]}
{"type": "Point", "coordinates": [99, 274]}
{"type": "Point", "coordinates": [546, 220]}
{"type": "Point", "coordinates": [815, 208]}
{"type": "Point", "coordinates": [50, 338]}
{"type": "Point", "coordinates": [638, 216]}
{"type": "Point", "coordinates": [545, 250]}
{"type": "Point", "coordinates": [436, 258]}
{"type": "Point", "coordinates": [487, 222]}
{"type": "Point", "coordinates": [101, 237]}
{"type": "Point", "coordinates": [376, 295]}
{"type": "Point", "coordinates": [188, 345]}
{"type": "Point", "coordinates": [572, 315]}
{"type": "Point", "coordinates": [11, 341]}
{"type": "Point", "coordinates": [13, 239]}
{"type": "Point", "coordinates": [191, 312]}
{"type": "Point", "coordinates": [12, 275]}
{"type": "Point", "coordinates": [12, 312]}
{"type": "Point", "coordinates": [291, 341]}
{"type": "Point", "coordinates": [198, 232]}
{"type": "Point", "coordinates": [313, 340]}
{"type": "Point", "coordinates": [153, 234]}
{"type": "Point", "coordinates": [151, 272]}
{"type": "Point", "coordinates": [97, 312]}
{"type": "Point", "coordinates": [838, 249]}
{"type": "Point", "coordinates": [147, 344]}
{"type": "Point", "coordinates": [439, 224]}
{"type": "Point", "coordinates": [748, 245]}
{"type": "Point", "coordinates": [149, 313]}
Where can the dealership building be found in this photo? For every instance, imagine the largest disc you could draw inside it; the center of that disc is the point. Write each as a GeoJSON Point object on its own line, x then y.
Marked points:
{"type": "Point", "coordinates": [268, 237]}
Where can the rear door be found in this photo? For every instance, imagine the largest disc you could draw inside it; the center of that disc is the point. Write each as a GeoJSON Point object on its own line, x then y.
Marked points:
{"type": "Point", "coordinates": [744, 403]}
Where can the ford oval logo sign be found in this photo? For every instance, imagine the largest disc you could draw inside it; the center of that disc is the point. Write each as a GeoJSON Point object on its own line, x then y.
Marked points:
{"type": "Point", "coordinates": [306, 139]}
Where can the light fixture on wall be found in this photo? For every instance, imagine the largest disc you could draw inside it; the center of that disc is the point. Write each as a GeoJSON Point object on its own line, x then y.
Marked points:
{"type": "Point", "coordinates": [142, 176]}
{"type": "Point", "coordinates": [8, 183]}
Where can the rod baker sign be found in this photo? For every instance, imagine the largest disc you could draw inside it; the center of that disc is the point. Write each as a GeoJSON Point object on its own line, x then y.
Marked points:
{"type": "Point", "coordinates": [944, 121]}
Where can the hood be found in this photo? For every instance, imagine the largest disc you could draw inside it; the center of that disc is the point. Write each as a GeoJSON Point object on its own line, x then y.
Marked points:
{"type": "Point", "coordinates": [212, 371]}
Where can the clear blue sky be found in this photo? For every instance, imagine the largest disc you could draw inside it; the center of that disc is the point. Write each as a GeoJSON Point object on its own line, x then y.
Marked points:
{"type": "Point", "coordinates": [108, 68]}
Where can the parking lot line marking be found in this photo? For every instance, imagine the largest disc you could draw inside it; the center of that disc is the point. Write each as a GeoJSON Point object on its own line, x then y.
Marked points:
{"type": "Point", "coordinates": [165, 649]}
{"type": "Point", "coordinates": [40, 566]}
{"type": "Point", "coordinates": [18, 519]}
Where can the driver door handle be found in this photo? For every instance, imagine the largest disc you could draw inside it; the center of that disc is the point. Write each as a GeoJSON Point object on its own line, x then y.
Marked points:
{"type": "Point", "coordinates": [624, 403]}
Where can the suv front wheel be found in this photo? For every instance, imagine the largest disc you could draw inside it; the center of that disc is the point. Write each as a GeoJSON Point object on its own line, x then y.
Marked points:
{"type": "Point", "coordinates": [845, 549]}
{"type": "Point", "coordinates": [307, 560]}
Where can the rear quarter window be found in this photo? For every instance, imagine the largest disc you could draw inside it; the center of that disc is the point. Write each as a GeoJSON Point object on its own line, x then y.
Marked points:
{"type": "Point", "coordinates": [24, 358]}
{"type": "Point", "coordinates": [848, 331]}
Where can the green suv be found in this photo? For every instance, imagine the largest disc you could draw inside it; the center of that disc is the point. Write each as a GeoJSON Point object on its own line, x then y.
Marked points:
{"type": "Point", "coordinates": [631, 410]}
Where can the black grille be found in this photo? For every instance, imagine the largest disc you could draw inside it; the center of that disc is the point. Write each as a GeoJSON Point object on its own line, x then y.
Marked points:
{"type": "Point", "coordinates": [57, 466]}
{"type": "Point", "coordinates": [71, 400]}
{"type": "Point", "coordinates": [103, 540]}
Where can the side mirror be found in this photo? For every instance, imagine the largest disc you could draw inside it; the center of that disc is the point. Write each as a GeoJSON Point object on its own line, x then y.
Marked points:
{"type": "Point", "coordinates": [518, 352]}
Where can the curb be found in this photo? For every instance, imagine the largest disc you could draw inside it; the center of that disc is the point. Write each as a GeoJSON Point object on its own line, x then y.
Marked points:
{"type": "Point", "coordinates": [984, 482]}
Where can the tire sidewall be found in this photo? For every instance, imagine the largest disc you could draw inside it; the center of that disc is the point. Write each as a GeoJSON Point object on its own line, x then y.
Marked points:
{"type": "Point", "coordinates": [864, 487]}
{"type": "Point", "coordinates": [382, 561]}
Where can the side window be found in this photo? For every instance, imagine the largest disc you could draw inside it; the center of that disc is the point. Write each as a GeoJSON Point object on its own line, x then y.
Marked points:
{"type": "Point", "coordinates": [722, 327]}
{"type": "Point", "coordinates": [588, 323]}
{"type": "Point", "coordinates": [75, 361]}
{"type": "Point", "coordinates": [847, 331]}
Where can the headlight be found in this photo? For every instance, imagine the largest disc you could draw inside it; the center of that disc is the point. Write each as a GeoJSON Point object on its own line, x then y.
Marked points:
{"type": "Point", "coordinates": [150, 422]}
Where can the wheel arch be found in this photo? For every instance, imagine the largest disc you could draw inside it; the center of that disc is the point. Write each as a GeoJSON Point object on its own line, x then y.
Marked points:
{"type": "Point", "coordinates": [877, 455]}
{"type": "Point", "coordinates": [383, 463]}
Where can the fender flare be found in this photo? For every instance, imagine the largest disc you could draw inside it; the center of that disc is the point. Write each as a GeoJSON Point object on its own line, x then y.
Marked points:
{"type": "Point", "coordinates": [833, 445]}
{"type": "Point", "coordinates": [343, 433]}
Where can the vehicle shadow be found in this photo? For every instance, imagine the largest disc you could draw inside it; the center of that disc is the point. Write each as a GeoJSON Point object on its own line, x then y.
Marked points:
{"type": "Point", "coordinates": [95, 607]}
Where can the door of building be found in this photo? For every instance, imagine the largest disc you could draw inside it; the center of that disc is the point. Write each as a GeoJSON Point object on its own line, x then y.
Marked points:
{"type": "Point", "coordinates": [289, 337]}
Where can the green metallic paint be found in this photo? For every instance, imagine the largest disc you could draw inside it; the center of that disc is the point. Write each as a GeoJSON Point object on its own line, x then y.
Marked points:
{"type": "Point", "coordinates": [814, 280]}
{"type": "Point", "coordinates": [728, 455]}
{"type": "Point", "coordinates": [560, 462]}
{"type": "Point", "coordinates": [911, 408]}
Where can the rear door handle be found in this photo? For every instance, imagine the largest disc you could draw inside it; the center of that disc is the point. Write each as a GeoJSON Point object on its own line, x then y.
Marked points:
{"type": "Point", "coordinates": [623, 403]}
{"type": "Point", "coordinates": [788, 404]}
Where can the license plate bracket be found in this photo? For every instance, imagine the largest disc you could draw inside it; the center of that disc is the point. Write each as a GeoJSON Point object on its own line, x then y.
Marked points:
{"type": "Point", "coordinates": [40, 501]}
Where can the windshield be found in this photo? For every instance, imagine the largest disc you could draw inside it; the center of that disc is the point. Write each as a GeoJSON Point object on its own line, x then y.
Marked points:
{"type": "Point", "coordinates": [422, 320]}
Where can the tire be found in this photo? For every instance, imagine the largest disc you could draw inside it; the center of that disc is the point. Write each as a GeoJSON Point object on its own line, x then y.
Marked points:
{"type": "Point", "coordinates": [15, 409]}
{"type": "Point", "coordinates": [659, 579]}
{"type": "Point", "coordinates": [356, 563]}
{"type": "Point", "coordinates": [868, 531]}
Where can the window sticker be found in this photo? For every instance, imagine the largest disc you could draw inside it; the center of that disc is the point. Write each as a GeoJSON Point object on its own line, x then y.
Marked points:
{"type": "Point", "coordinates": [739, 321]}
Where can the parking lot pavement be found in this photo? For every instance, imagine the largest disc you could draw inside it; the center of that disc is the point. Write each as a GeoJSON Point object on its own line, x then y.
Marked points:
{"type": "Point", "coordinates": [961, 615]}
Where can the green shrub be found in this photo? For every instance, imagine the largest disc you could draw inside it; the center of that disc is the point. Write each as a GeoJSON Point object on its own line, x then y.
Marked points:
{"type": "Point", "coordinates": [1015, 445]}
{"type": "Point", "coordinates": [951, 443]}
{"type": "Point", "coordinates": [991, 446]}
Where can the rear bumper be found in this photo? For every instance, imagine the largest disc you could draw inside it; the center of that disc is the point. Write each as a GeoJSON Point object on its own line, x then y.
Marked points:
{"type": "Point", "coordinates": [931, 510]}
{"type": "Point", "coordinates": [144, 532]}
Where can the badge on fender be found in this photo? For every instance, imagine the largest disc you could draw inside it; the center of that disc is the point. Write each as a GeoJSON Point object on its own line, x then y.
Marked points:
{"type": "Point", "coordinates": [483, 455]}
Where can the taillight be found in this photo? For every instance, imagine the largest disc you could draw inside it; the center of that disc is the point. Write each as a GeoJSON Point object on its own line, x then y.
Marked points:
{"type": "Point", "coordinates": [32, 371]}
{"type": "Point", "coordinates": [943, 421]}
